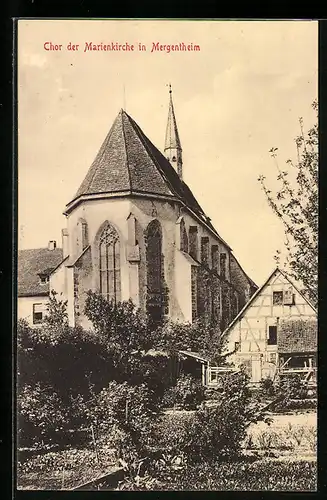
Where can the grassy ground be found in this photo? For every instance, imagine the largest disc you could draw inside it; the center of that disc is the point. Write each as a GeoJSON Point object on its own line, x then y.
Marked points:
{"type": "Point", "coordinates": [64, 469]}
{"type": "Point", "coordinates": [292, 434]}
{"type": "Point", "coordinates": [285, 452]}
{"type": "Point", "coordinates": [260, 475]}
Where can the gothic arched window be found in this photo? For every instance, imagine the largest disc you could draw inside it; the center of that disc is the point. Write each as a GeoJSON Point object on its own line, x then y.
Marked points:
{"type": "Point", "coordinates": [109, 250]}
{"type": "Point", "coordinates": [183, 237]}
{"type": "Point", "coordinates": [82, 235]}
{"type": "Point", "coordinates": [154, 271]}
{"type": "Point", "coordinates": [193, 242]}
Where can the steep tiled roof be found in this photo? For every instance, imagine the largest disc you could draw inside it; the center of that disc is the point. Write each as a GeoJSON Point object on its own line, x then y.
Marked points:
{"type": "Point", "coordinates": [128, 162]}
{"type": "Point", "coordinates": [297, 336]}
{"type": "Point", "coordinates": [239, 277]}
{"type": "Point", "coordinates": [123, 163]}
{"type": "Point", "coordinates": [31, 263]}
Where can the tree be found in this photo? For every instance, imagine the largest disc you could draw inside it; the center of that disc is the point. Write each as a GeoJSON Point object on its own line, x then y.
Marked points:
{"type": "Point", "coordinates": [295, 202]}
{"type": "Point", "coordinates": [56, 311]}
{"type": "Point", "coordinates": [122, 326]}
{"type": "Point", "coordinates": [198, 337]}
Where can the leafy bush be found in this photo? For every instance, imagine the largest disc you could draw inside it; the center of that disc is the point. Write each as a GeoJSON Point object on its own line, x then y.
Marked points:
{"type": "Point", "coordinates": [152, 370]}
{"type": "Point", "coordinates": [122, 326]}
{"type": "Point", "coordinates": [125, 412]}
{"type": "Point", "coordinates": [218, 430]}
{"type": "Point", "coordinates": [267, 388]}
{"type": "Point", "coordinates": [311, 437]}
{"type": "Point", "coordinates": [292, 387]}
{"type": "Point", "coordinates": [137, 477]}
{"type": "Point", "coordinates": [171, 430]}
{"type": "Point", "coordinates": [73, 366]}
{"type": "Point", "coordinates": [297, 404]}
{"type": "Point", "coordinates": [41, 414]}
{"type": "Point", "coordinates": [198, 336]}
{"type": "Point", "coordinates": [69, 359]}
{"type": "Point", "coordinates": [187, 394]}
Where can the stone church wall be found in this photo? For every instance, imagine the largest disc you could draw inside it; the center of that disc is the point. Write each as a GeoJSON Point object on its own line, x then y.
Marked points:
{"type": "Point", "coordinates": [190, 287]}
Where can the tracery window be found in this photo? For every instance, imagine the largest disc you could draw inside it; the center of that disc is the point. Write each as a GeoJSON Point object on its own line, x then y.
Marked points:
{"type": "Point", "coordinates": [183, 237]}
{"type": "Point", "coordinates": [205, 250]}
{"type": "Point", "coordinates": [154, 271]}
{"type": "Point", "coordinates": [223, 265]}
{"type": "Point", "coordinates": [193, 242]}
{"type": "Point", "coordinates": [214, 257]}
{"type": "Point", "coordinates": [109, 249]}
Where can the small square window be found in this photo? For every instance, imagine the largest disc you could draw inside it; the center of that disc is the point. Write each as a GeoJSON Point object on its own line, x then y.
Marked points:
{"type": "Point", "coordinates": [277, 298]}
{"type": "Point", "coordinates": [237, 346]}
{"type": "Point", "coordinates": [38, 311]}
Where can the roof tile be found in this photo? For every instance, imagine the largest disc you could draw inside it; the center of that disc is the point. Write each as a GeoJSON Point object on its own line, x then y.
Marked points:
{"type": "Point", "coordinates": [128, 161]}
{"type": "Point", "coordinates": [33, 262]}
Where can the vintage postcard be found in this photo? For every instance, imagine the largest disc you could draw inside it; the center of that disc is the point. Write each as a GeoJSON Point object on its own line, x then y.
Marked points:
{"type": "Point", "coordinates": [167, 255]}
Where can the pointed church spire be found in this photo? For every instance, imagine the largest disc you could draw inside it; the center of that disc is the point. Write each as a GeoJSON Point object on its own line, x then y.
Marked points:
{"type": "Point", "coordinates": [173, 148]}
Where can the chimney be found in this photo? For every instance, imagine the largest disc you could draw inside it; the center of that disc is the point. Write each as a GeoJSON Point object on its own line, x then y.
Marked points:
{"type": "Point", "coordinates": [52, 245]}
{"type": "Point", "coordinates": [64, 238]}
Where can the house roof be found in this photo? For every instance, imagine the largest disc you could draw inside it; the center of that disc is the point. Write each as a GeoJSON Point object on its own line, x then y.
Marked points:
{"type": "Point", "coordinates": [129, 164]}
{"type": "Point", "coordinates": [195, 355]}
{"type": "Point", "coordinates": [295, 336]}
{"type": "Point", "coordinates": [32, 263]}
{"type": "Point", "coordinates": [251, 282]}
{"type": "Point", "coordinates": [258, 291]}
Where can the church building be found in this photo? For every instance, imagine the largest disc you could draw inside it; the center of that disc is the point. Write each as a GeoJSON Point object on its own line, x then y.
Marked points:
{"type": "Point", "coordinates": [135, 231]}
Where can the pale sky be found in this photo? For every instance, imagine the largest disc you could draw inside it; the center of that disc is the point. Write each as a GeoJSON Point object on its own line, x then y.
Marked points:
{"type": "Point", "coordinates": [237, 97]}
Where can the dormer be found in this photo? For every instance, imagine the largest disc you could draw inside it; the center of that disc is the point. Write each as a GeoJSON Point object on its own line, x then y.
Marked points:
{"type": "Point", "coordinates": [45, 275]}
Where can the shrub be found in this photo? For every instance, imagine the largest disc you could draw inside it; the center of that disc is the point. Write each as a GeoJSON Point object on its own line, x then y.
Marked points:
{"type": "Point", "coordinates": [295, 433]}
{"type": "Point", "coordinates": [296, 404]}
{"type": "Point", "coordinates": [68, 359]}
{"type": "Point", "coordinates": [126, 412]}
{"type": "Point", "coordinates": [40, 414]}
{"type": "Point", "coordinates": [211, 393]}
{"type": "Point", "coordinates": [311, 437]}
{"type": "Point", "coordinates": [171, 429]}
{"type": "Point", "coordinates": [198, 337]}
{"type": "Point", "coordinates": [218, 430]}
{"type": "Point", "coordinates": [187, 394]}
{"type": "Point", "coordinates": [292, 387]}
{"type": "Point", "coordinates": [267, 388]}
{"type": "Point", "coordinates": [151, 370]}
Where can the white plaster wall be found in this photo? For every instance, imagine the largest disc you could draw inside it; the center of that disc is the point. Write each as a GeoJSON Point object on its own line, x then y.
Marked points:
{"type": "Point", "coordinates": [116, 210]}
{"type": "Point", "coordinates": [25, 307]}
{"type": "Point", "coordinates": [95, 213]}
{"type": "Point", "coordinates": [183, 287]}
{"type": "Point", "coordinates": [58, 281]}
